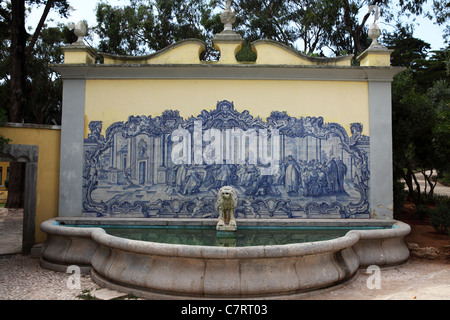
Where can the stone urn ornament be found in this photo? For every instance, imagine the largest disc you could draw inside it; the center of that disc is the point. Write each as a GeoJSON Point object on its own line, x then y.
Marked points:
{"type": "Point", "coordinates": [80, 29]}
{"type": "Point", "coordinates": [228, 17]}
{"type": "Point", "coordinates": [374, 31]}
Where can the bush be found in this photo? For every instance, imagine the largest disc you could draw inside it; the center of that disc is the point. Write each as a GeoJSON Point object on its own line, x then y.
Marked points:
{"type": "Point", "coordinates": [440, 219]}
{"type": "Point", "coordinates": [445, 179]}
{"type": "Point", "coordinates": [422, 212]}
{"type": "Point", "coordinates": [400, 196]}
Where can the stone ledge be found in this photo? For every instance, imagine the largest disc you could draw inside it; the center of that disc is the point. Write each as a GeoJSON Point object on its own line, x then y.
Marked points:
{"type": "Point", "coordinates": [32, 126]}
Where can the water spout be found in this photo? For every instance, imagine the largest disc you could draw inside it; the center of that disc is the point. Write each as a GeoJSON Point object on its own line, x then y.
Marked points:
{"type": "Point", "coordinates": [226, 205]}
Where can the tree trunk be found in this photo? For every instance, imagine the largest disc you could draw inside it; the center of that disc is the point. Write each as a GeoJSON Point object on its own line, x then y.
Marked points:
{"type": "Point", "coordinates": [418, 199]}
{"type": "Point", "coordinates": [428, 180]}
{"type": "Point", "coordinates": [16, 185]}
{"type": "Point", "coordinates": [18, 62]}
{"type": "Point", "coordinates": [18, 98]}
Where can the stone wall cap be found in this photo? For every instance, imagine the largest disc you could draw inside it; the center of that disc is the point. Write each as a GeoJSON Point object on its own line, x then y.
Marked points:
{"type": "Point", "coordinates": [227, 71]}
{"type": "Point", "coordinates": [157, 53]}
{"type": "Point", "coordinates": [254, 44]}
{"type": "Point", "coordinates": [374, 50]}
{"type": "Point", "coordinates": [32, 126]}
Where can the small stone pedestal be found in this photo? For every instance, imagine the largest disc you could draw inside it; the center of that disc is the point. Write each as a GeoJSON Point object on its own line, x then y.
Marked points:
{"type": "Point", "coordinates": [226, 228]}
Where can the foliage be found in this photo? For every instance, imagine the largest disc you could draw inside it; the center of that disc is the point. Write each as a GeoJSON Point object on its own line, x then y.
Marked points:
{"type": "Point", "coordinates": [422, 211]}
{"type": "Point", "coordinates": [43, 87]}
{"type": "Point", "coordinates": [445, 179]}
{"type": "Point", "coordinates": [440, 219]}
{"type": "Point", "coordinates": [399, 198]}
{"type": "Point", "coordinates": [146, 26]}
{"type": "Point", "coordinates": [420, 111]}
{"type": "Point", "coordinates": [246, 53]}
{"type": "Point", "coordinates": [18, 83]}
{"type": "Point", "coordinates": [13, 17]}
{"type": "Point", "coordinates": [409, 52]}
{"type": "Point", "coordinates": [3, 141]}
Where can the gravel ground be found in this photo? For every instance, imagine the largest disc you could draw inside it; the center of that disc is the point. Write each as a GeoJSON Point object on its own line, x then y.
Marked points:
{"type": "Point", "coordinates": [417, 279]}
{"type": "Point", "coordinates": [22, 278]}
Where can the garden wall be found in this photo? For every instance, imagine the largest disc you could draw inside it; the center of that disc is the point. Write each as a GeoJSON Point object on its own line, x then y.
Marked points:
{"type": "Point", "coordinates": [47, 141]}
{"type": "Point", "coordinates": [157, 136]}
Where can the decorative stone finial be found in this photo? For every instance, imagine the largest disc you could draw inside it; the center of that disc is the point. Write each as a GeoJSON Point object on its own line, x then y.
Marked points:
{"type": "Point", "coordinates": [80, 30]}
{"type": "Point", "coordinates": [376, 55]}
{"type": "Point", "coordinates": [374, 31]}
{"type": "Point", "coordinates": [228, 17]}
{"type": "Point", "coordinates": [78, 52]}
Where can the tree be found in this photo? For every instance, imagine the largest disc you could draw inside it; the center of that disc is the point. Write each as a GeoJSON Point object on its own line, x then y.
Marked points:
{"type": "Point", "coordinates": [18, 61]}
{"type": "Point", "coordinates": [44, 86]}
{"type": "Point", "coordinates": [13, 16]}
{"type": "Point", "coordinates": [146, 26]}
{"type": "Point", "coordinates": [409, 51]}
{"type": "Point", "coordinates": [420, 103]}
{"type": "Point", "coordinates": [313, 25]}
{"type": "Point", "coordinates": [43, 94]}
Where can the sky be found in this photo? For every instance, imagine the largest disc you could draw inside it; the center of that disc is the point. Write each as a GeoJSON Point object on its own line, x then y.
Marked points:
{"type": "Point", "coordinates": [85, 10]}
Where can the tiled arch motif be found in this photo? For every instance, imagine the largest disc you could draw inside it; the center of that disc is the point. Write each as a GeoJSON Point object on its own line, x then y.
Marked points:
{"type": "Point", "coordinates": [320, 171]}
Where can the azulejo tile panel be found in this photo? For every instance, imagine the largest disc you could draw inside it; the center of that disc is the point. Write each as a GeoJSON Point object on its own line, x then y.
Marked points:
{"type": "Point", "coordinates": [281, 167]}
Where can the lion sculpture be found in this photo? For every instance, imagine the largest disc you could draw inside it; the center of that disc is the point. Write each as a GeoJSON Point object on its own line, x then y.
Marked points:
{"type": "Point", "coordinates": [226, 205]}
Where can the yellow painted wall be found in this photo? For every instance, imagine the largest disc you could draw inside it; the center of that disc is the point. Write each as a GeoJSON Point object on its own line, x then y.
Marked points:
{"type": "Point", "coordinates": [187, 53]}
{"type": "Point", "coordinates": [380, 58]}
{"type": "Point", "coordinates": [47, 196]}
{"type": "Point", "coordinates": [343, 102]}
{"type": "Point", "coordinates": [269, 52]}
{"type": "Point", "coordinates": [4, 175]}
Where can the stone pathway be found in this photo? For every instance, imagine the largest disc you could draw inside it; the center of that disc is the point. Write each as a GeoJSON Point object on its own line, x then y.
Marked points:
{"type": "Point", "coordinates": [440, 189]}
{"type": "Point", "coordinates": [11, 226]}
{"type": "Point", "coordinates": [22, 277]}
{"type": "Point", "coordinates": [418, 279]}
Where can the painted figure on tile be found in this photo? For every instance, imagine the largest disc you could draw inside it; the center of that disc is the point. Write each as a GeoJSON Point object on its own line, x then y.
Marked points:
{"type": "Point", "coordinates": [193, 182]}
{"type": "Point", "coordinates": [292, 175]}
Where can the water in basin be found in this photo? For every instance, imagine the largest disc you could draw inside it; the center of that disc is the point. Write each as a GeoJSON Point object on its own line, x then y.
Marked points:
{"type": "Point", "coordinates": [244, 236]}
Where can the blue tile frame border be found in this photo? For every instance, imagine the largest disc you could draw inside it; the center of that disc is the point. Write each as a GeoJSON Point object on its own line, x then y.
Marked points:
{"type": "Point", "coordinates": [129, 171]}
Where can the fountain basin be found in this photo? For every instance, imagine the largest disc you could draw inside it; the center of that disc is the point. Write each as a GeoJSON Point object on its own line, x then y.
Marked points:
{"type": "Point", "coordinates": [161, 270]}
